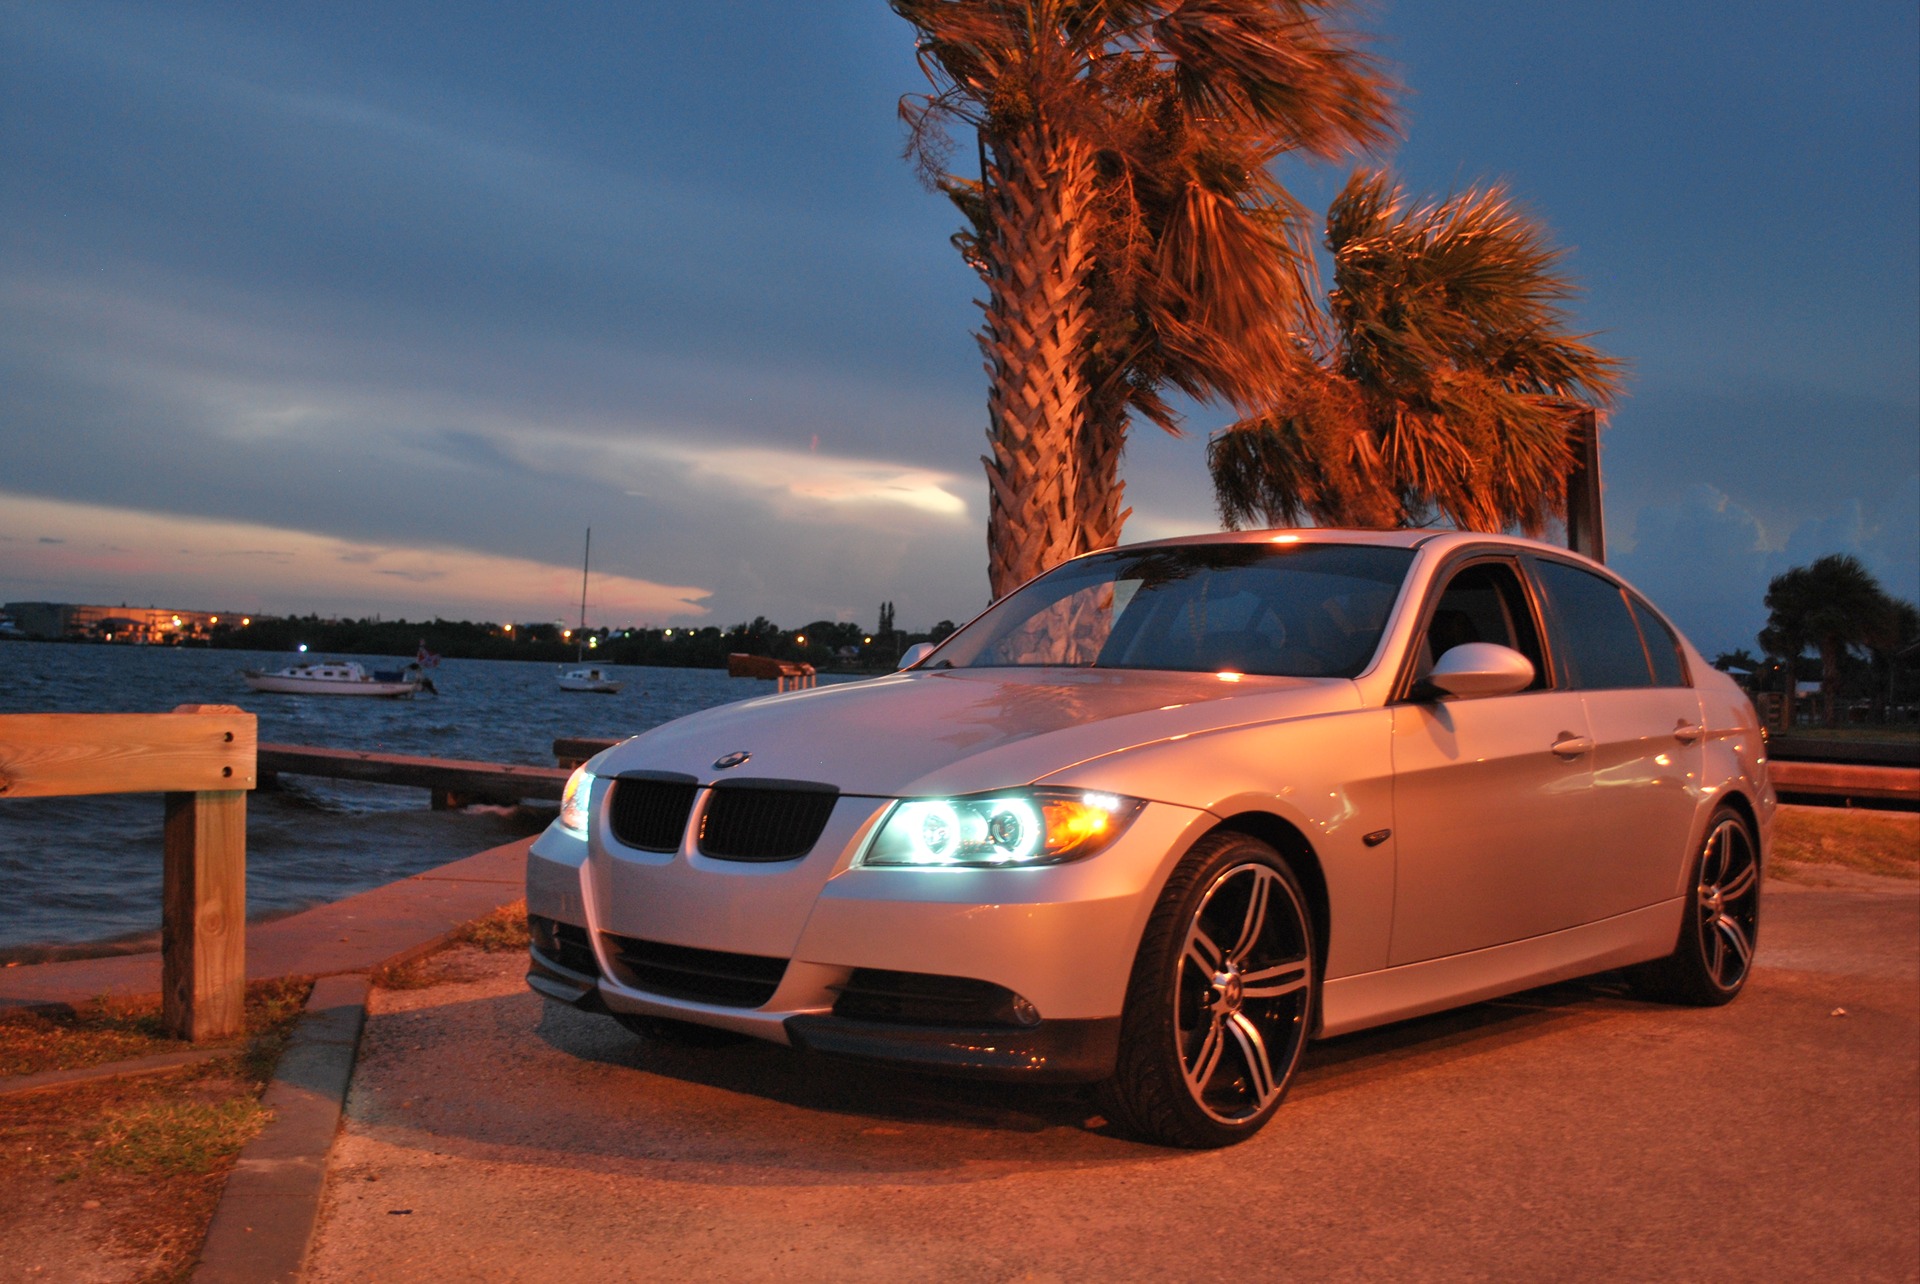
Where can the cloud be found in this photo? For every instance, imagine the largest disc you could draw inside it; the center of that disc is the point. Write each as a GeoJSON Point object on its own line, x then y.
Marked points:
{"type": "Point", "coordinates": [118, 554]}
{"type": "Point", "coordinates": [1706, 559]}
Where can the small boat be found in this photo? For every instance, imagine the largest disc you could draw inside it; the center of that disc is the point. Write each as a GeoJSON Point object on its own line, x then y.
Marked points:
{"type": "Point", "coordinates": [339, 678]}
{"type": "Point", "coordinates": [584, 677]}
{"type": "Point", "coordinates": [589, 680]}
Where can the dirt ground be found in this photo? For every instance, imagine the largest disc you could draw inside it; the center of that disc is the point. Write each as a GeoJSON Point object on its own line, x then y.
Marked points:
{"type": "Point", "coordinates": [1568, 1133]}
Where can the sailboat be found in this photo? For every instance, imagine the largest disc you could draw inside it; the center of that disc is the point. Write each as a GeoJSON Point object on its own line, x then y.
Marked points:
{"type": "Point", "coordinates": [584, 677]}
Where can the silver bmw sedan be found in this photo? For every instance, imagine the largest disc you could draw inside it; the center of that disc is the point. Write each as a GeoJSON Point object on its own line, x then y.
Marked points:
{"type": "Point", "coordinates": [1169, 811]}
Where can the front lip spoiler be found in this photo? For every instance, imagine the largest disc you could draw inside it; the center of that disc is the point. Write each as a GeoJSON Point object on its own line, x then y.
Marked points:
{"type": "Point", "coordinates": [1051, 1052]}
{"type": "Point", "coordinates": [563, 984]}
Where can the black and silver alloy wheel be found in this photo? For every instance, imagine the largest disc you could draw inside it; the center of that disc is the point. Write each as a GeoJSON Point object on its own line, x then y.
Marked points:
{"type": "Point", "coordinates": [1221, 998]}
{"type": "Point", "coordinates": [1714, 954]}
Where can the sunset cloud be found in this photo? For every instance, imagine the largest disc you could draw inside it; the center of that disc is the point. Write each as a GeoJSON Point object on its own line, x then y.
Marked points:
{"type": "Point", "coordinates": [88, 552]}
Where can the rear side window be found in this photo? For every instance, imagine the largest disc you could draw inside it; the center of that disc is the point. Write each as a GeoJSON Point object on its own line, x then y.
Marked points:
{"type": "Point", "coordinates": [1596, 645]}
{"type": "Point", "coordinates": [1662, 647]}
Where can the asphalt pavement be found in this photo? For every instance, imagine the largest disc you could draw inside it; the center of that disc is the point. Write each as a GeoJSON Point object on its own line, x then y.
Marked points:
{"type": "Point", "coordinates": [1567, 1133]}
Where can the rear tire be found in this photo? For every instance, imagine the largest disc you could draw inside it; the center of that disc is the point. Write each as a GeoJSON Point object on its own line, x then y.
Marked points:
{"type": "Point", "coordinates": [1220, 1000]}
{"type": "Point", "coordinates": [1714, 955]}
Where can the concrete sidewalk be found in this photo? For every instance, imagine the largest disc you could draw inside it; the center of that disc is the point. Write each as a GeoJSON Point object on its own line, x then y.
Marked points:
{"type": "Point", "coordinates": [385, 925]}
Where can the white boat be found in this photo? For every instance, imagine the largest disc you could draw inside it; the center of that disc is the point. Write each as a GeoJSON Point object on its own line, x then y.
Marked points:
{"type": "Point", "coordinates": [338, 678]}
{"type": "Point", "coordinates": [589, 680]}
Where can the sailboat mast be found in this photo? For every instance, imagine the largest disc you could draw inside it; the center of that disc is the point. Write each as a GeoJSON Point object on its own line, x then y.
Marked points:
{"type": "Point", "coordinates": [580, 637]}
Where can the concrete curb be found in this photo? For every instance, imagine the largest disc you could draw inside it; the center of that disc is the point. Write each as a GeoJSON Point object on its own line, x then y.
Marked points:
{"type": "Point", "coordinates": [270, 1206]}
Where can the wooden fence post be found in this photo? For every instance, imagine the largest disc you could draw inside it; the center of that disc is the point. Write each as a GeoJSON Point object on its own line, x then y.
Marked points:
{"type": "Point", "coordinates": [203, 935]}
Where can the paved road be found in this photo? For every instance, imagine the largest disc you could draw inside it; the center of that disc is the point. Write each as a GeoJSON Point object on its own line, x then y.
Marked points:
{"type": "Point", "coordinates": [1570, 1133]}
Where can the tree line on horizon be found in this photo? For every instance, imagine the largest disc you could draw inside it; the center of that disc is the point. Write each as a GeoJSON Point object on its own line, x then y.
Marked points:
{"type": "Point", "coordinates": [823, 643]}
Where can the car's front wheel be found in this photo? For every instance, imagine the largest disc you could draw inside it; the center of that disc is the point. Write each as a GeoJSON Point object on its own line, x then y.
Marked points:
{"type": "Point", "coordinates": [1220, 1000]}
{"type": "Point", "coordinates": [1714, 954]}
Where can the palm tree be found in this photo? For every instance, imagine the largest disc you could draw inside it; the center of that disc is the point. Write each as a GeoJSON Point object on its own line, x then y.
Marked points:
{"type": "Point", "coordinates": [1449, 386]}
{"type": "Point", "coordinates": [1831, 606]}
{"type": "Point", "coordinates": [1124, 220]}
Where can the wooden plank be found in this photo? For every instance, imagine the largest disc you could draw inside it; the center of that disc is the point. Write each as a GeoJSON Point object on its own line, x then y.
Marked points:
{"type": "Point", "coordinates": [445, 775]}
{"type": "Point", "coordinates": [1846, 780]}
{"type": "Point", "coordinates": [203, 921]}
{"type": "Point", "coordinates": [50, 755]}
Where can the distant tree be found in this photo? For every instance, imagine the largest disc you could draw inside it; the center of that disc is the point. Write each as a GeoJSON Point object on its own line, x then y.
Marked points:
{"type": "Point", "coordinates": [1832, 606]}
{"type": "Point", "coordinates": [1897, 638]}
{"type": "Point", "coordinates": [1448, 384]}
{"type": "Point", "coordinates": [1743, 660]}
{"type": "Point", "coordinates": [1125, 222]}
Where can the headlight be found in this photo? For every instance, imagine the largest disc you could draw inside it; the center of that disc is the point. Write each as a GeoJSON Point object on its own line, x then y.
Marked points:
{"type": "Point", "coordinates": [1021, 827]}
{"type": "Point", "coordinates": [574, 800]}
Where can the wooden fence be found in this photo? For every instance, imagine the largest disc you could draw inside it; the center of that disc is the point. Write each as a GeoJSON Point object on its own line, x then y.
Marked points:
{"type": "Point", "coordinates": [201, 757]}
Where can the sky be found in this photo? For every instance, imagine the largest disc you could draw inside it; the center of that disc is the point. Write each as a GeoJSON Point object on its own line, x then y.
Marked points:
{"type": "Point", "coordinates": [374, 308]}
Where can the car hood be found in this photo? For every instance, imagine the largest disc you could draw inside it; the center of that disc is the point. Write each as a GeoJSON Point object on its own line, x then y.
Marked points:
{"type": "Point", "coordinates": [963, 730]}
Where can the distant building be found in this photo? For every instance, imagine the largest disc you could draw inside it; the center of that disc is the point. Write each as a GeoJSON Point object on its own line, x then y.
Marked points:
{"type": "Point", "coordinates": [141, 625]}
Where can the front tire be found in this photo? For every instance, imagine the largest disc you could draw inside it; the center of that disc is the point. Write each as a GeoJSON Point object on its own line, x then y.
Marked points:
{"type": "Point", "coordinates": [1714, 955]}
{"type": "Point", "coordinates": [1220, 1000]}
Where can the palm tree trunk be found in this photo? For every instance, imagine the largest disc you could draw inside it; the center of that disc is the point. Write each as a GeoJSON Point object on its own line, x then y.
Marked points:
{"type": "Point", "coordinates": [1037, 317]}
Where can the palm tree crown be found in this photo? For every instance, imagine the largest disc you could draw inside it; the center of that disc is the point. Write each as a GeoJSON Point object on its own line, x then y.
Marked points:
{"type": "Point", "coordinates": [1449, 384]}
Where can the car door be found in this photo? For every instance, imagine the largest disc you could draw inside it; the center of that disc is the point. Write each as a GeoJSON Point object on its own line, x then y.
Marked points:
{"type": "Point", "coordinates": [1490, 794]}
{"type": "Point", "coordinates": [1645, 719]}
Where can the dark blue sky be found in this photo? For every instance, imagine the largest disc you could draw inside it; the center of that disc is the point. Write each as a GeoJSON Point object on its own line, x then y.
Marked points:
{"type": "Point", "coordinates": [373, 307]}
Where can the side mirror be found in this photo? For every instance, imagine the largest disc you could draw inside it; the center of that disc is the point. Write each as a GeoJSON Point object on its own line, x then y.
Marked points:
{"type": "Point", "coordinates": [921, 650]}
{"type": "Point", "coordinates": [1475, 669]}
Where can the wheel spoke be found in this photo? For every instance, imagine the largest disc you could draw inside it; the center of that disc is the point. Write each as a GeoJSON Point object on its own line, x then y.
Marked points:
{"type": "Point", "coordinates": [1735, 938]}
{"type": "Point", "coordinates": [1716, 947]}
{"type": "Point", "coordinates": [1740, 884]}
{"type": "Point", "coordinates": [1253, 1051]}
{"type": "Point", "coordinates": [1273, 982]}
{"type": "Point", "coordinates": [1206, 1060]}
{"type": "Point", "coordinates": [1256, 919]}
{"type": "Point", "coordinates": [1202, 952]}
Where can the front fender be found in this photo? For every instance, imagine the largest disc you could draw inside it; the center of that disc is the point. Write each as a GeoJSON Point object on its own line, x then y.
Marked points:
{"type": "Point", "coordinates": [1329, 777]}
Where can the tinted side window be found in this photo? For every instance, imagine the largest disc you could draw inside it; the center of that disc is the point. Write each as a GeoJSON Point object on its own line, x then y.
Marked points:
{"type": "Point", "coordinates": [1662, 647]}
{"type": "Point", "coordinates": [1483, 603]}
{"type": "Point", "coordinates": [1595, 642]}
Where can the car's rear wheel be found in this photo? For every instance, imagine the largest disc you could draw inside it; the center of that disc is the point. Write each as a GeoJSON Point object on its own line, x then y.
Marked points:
{"type": "Point", "coordinates": [1220, 1000]}
{"type": "Point", "coordinates": [1714, 954]}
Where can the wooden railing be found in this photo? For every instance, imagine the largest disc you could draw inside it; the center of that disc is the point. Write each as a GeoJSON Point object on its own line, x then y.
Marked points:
{"type": "Point", "coordinates": [202, 758]}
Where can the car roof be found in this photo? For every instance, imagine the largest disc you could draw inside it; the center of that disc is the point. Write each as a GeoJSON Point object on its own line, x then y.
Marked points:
{"type": "Point", "coordinates": [1439, 540]}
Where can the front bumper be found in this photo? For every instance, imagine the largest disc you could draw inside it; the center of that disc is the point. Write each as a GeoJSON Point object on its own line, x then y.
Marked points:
{"type": "Point", "coordinates": [1062, 939]}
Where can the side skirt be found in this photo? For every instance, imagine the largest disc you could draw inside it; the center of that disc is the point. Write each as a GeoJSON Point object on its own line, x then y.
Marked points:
{"type": "Point", "coordinates": [1433, 985]}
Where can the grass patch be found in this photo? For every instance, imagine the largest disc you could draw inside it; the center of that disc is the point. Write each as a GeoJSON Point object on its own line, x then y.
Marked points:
{"type": "Point", "coordinates": [1886, 843]}
{"type": "Point", "coordinates": [109, 1030]}
{"type": "Point", "coordinates": [502, 931]}
{"type": "Point", "coordinates": [170, 1136]}
{"type": "Point", "coordinates": [117, 1178]}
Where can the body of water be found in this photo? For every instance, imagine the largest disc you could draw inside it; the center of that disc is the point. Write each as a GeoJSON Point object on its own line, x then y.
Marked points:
{"type": "Point", "coordinates": [81, 870]}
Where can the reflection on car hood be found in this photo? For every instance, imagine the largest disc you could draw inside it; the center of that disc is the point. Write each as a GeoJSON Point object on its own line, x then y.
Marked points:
{"type": "Point", "coordinates": [960, 730]}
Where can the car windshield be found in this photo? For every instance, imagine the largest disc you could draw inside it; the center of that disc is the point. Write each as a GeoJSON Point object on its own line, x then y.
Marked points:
{"type": "Point", "coordinates": [1294, 610]}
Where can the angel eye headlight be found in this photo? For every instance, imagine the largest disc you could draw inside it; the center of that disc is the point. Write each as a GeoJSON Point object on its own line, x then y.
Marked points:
{"type": "Point", "coordinates": [574, 800]}
{"type": "Point", "coordinates": [1018, 828]}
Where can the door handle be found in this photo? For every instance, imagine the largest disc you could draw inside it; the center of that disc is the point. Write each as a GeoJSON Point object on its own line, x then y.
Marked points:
{"type": "Point", "coordinates": [1688, 732]}
{"type": "Point", "coordinates": [1572, 746]}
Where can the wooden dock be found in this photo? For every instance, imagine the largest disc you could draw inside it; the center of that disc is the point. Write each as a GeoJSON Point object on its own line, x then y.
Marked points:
{"type": "Point", "coordinates": [453, 782]}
